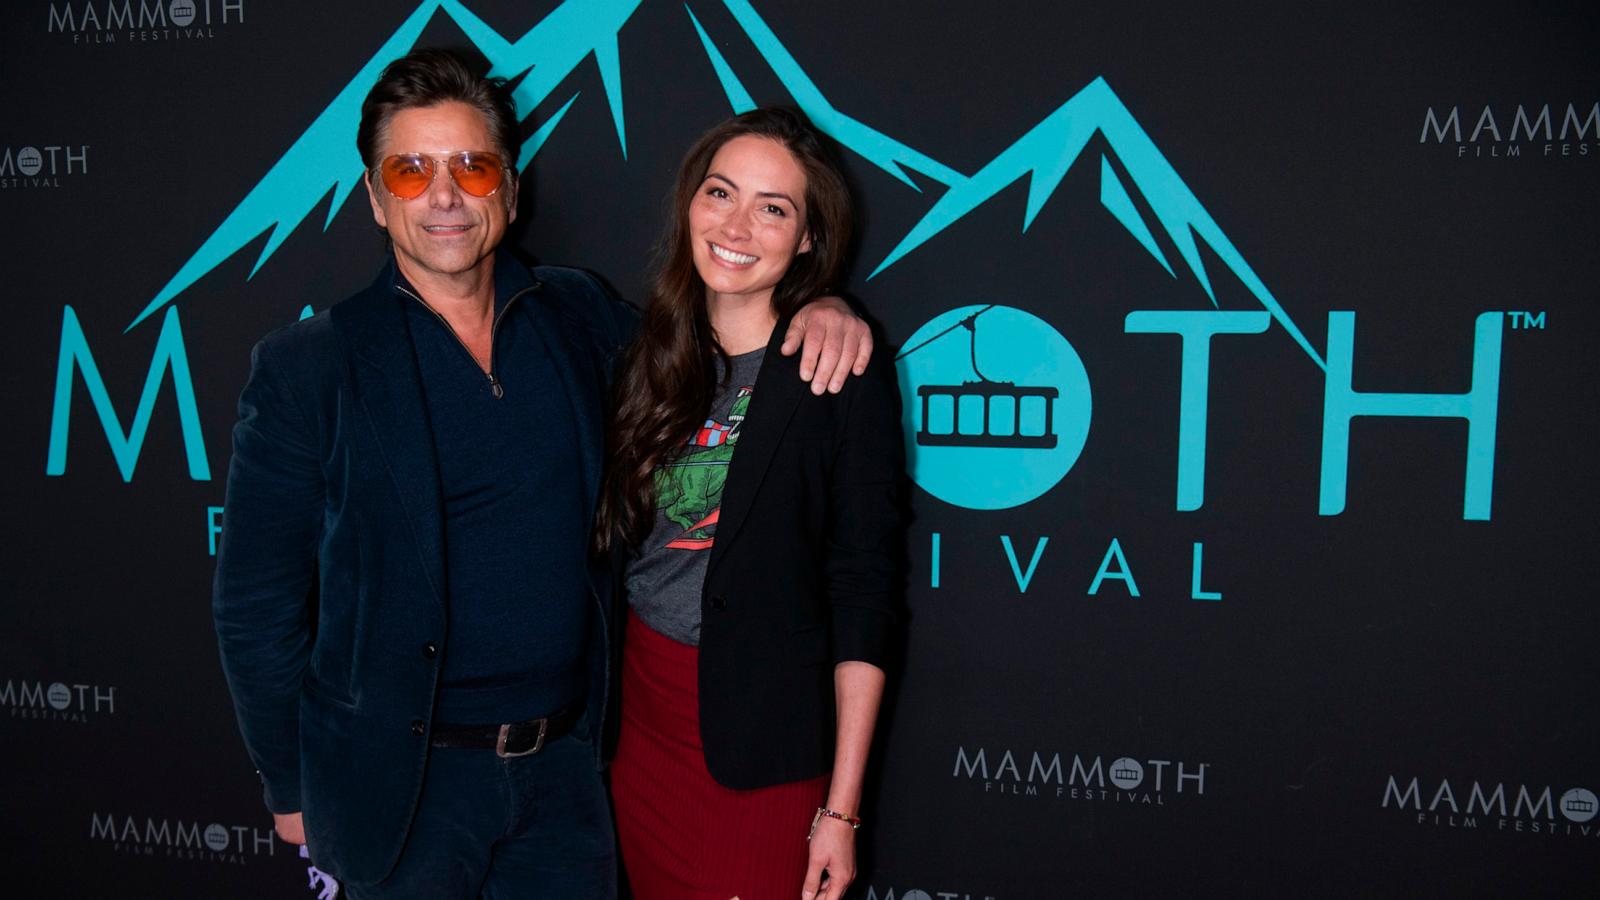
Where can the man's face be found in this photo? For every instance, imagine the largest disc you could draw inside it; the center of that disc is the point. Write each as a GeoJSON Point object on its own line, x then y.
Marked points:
{"type": "Point", "coordinates": [446, 231]}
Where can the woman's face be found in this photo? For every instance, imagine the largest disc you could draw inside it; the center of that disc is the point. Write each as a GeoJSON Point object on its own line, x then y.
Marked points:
{"type": "Point", "coordinates": [748, 219]}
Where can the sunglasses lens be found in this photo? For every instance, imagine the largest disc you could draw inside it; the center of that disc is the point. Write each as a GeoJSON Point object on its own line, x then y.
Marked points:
{"type": "Point", "coordinates": [407, 177]}
{"type": "Point", "coordinates": [479, 174]}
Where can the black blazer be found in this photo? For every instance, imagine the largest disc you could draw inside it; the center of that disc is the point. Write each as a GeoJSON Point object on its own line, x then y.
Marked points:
{"type": "Point", "coordinates": [805, 571]}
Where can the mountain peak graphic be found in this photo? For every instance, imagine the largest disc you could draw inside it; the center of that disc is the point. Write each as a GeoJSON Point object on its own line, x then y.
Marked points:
{"type": "Point", "coordinates": [324, 158]}
{"type": "Point", "coordinates": [1050, 148]}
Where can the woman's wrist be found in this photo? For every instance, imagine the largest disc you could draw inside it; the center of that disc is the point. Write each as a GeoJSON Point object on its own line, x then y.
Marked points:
{"type": "Point", "coordinates": [824, 812]}
{"type": "Point", "coordinates": [844, 798]}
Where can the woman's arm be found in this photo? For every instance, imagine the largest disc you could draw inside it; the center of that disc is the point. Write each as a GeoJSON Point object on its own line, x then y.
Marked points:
{"type": "Point", "coordinates": [864, 577]}
{"type": "Point", "coordinates": [858, 691]}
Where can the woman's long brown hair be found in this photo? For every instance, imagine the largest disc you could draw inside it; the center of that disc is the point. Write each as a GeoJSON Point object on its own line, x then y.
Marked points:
{"type": "Point", "coordinates": [668, 376]}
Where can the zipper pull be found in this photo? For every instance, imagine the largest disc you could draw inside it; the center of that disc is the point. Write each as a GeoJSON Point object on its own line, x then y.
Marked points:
{"type": "Point", "coordinates": [495, 387]}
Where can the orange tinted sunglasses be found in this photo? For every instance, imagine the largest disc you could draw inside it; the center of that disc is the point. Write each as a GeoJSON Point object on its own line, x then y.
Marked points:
{"type": "Point", "coordinates": [408, 175]}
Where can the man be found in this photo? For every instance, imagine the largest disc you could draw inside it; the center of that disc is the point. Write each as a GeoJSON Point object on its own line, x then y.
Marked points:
{"type": "Point", "coordinates": [419, 650]}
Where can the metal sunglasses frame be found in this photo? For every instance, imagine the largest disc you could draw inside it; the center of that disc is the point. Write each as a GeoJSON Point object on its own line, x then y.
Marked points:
{"type": "Point", "coordinates": [454, 163]}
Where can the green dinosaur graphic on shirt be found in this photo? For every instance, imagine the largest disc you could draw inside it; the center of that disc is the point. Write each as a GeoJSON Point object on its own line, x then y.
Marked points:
{"type": "Point", "coordinates": [689, 489]}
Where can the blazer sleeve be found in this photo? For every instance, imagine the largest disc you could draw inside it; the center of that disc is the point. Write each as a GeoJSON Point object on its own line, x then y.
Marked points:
{"type": "Point", "coordinates": [866, 518]}
{"type": "Point", "coordinates": [616, 320]}
{"type": "Point", "coordinates": [610, 322]}
{"type": "Point", "coordinates": [266, 568]}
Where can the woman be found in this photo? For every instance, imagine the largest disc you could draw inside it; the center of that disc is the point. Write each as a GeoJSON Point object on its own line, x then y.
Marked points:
{"type": "Point", "coordinates": [760, 526]}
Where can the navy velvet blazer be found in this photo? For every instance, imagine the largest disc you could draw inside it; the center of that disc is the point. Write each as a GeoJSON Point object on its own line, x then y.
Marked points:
{"type": "Point", "coordinates": [329, 598]}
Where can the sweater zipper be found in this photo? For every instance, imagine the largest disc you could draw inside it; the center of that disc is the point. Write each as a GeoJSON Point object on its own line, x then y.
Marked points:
{"type": "Point", "coordinates": [495, 388]}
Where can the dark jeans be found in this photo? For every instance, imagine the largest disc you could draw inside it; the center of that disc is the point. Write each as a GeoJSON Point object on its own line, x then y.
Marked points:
{"type": "Point", "coordinates": [507, 829]}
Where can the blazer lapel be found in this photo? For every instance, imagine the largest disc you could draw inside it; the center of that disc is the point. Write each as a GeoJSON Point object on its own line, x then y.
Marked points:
{"type": "Point", "coordinates": [578, 377]}
{"type": "Point", "coordinates": [778, 392]}
{"type": "Point", "coordinates": [388, 389]}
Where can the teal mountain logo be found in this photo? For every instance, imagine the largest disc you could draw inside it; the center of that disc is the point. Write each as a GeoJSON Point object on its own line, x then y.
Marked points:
{"type": "Point", "coordinates": [323, 162]}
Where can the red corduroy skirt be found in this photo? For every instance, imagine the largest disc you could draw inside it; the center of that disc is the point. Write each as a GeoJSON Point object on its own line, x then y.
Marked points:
{"type": "Point", "coordinates": [683, 835]}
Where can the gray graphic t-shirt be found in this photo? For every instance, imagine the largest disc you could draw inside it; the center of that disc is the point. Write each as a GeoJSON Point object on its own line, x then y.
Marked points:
{"type": "Point", "coordinates": [665, 581]}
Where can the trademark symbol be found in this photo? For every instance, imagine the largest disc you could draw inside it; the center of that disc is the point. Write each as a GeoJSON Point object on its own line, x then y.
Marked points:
{"type": "Point", "coordinates": [1526, 321]}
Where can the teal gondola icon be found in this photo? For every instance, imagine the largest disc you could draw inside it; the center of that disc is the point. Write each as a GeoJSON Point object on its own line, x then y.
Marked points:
{"type": "Point", "coordinates": [984, 412]}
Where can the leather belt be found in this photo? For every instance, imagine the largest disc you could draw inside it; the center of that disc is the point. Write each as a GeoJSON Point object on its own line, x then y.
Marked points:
{"type": "Point", "coordinates": [509, 740]}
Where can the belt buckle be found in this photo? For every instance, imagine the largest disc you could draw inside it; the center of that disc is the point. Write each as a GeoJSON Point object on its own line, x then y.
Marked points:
{"type": "Point", "coordinates": [505, 731]}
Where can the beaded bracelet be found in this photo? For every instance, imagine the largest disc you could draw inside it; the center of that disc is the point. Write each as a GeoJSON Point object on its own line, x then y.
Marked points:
{"type": "Point", "coordinates": [853, 821]}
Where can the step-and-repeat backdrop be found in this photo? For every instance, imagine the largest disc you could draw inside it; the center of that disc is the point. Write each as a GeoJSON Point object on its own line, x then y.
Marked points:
{"type": "Point", "coordinates": [1249, 368]}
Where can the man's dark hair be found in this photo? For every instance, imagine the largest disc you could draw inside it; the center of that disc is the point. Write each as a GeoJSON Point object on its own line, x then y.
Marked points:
{"type": "Point", "coordinates": [428, 77]}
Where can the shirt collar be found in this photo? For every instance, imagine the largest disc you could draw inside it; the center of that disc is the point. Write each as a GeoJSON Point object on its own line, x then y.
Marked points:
{"type": "Point", "coordinates": [510, 278]}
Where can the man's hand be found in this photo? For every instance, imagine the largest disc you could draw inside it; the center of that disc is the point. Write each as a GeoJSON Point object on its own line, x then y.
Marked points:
{"type": "Point", "coordinates": [834, 342]}
{"type": "Point", "coordinates": [833, 847]}
{"type": "Point", "coordinates": [289, 827]}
